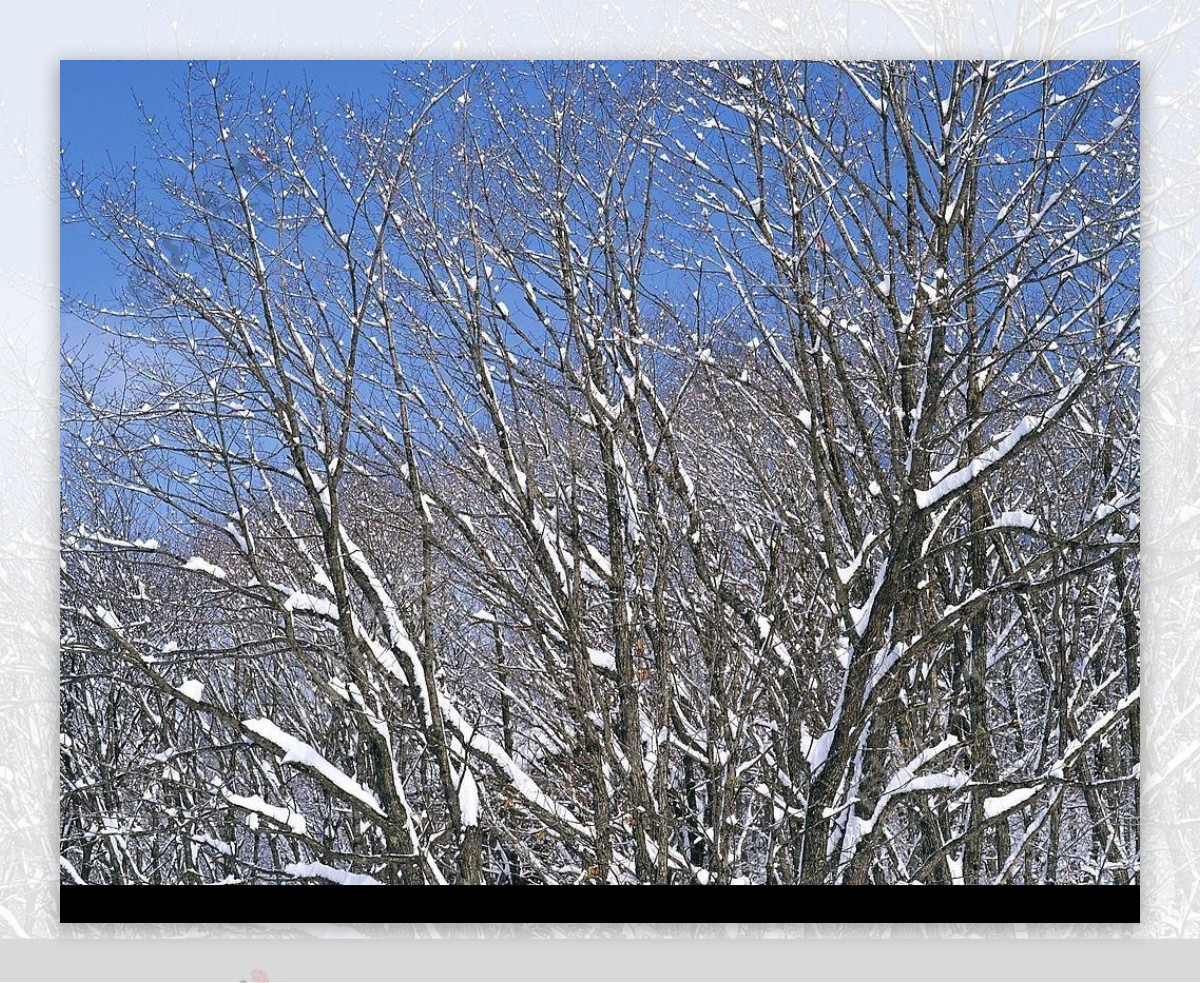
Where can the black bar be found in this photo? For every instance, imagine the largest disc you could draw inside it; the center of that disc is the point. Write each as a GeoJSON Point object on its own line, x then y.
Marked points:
{"type": "Point", "coordinates": [1041, 904]}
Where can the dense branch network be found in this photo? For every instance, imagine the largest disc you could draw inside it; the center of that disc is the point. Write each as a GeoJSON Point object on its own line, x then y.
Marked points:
{"type": "Point", "coordinates": [654, 473]}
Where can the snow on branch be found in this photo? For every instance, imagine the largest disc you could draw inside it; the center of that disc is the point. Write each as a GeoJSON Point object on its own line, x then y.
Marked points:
{"type": "Point", "coordinates": [297, 752]}
{"type": "Point", "coordinates": [1020, 435]}
{"type": "Point", "coordinates": [323, 872]}
{"type": "Point", "coordinates": [256, 804]}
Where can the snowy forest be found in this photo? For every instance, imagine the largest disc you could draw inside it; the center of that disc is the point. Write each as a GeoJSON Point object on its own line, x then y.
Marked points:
{"type": "Point", "coordinates": [578, 473]}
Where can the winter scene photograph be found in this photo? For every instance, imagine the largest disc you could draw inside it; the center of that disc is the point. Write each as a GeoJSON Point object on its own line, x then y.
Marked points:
{"type": "Point", "coordinates": [693, 474]}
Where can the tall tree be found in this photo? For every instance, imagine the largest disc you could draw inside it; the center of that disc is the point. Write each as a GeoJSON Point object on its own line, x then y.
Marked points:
{"type": "Point", "coordinates": [719, 472]}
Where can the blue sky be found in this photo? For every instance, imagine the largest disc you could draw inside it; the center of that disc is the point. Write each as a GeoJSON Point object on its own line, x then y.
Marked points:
{"type": "Point", "coordinates": [101, 128]}
{"type": "Point", "coordinates": [103, 131]}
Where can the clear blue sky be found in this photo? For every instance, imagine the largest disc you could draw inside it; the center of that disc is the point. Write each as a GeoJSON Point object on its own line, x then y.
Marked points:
{"type": "Point", "coordinates": [102, 130]}
{"type": "Point", "coordinates": [101, 127]}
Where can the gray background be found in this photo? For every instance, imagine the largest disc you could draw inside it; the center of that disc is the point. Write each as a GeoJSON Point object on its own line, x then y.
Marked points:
{"type": "Point", "coordinates": [1164, 35]}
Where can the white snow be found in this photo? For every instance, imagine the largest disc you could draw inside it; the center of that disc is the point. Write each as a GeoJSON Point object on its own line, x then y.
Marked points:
{"type": "Point", "coordinates": [986, 460]}
{"type": "Point", "coordinates": [212, 841]}
{"type": "Point", "coordinates": [996, 805]}
{"type": "Point", "coordinates": [997, 452]}
{"type": "Point", "coordinates": [861, 616]}
{"type": "Point", "coordinates": [198, 563]}
{"type": "Point", "coordinates": [468, 799]}
{"type": "Point", "coordinates": [550, 539]}
{"type": "Point", "coordinates": [847, 572]}
{"type": "Point", "coordinates": [688, 487]}
{"type": "Point", "coordinates": [236, 535]}
{"type": "Point", "coordinates": [106, 617]}
{"type": "Point", "coordinates": [140, 544]}
{"type": "Point", "coordinates": [1017, 519]}
{"type": "Point", "coordinates": [297, 752]}
{"type": "Point", "coordinates": [72, 872]}
{"type": "Point", "coordinates": [764, 627]}
{"type": "Point", "coordinates": [300, 601]}
{"type": "Point", "coordinates": [602, 660]}
{"type": "Point", "coordinates": [953, 609]}
{"type": "Point", "coordinates": [256, 806]}
{"type": "Point", "coordinates": [906, 780]}
{"type": "Point", "coordinates": [1105, 509]}
{"type": "Point", "coordinates": [398, 635]}
{"type": "Point", "coordinates": [816, 753]}
{"type": "Point", "coordinates": [599, 560]}
{"type": "Point", "coordinates": [327, 873]}
{"type": "Point", "coordinates": [522, 783]}
{"type": "Point", "coordinates": [193, 689]}
{"type": "Point", "coordinates": [1100, 724]}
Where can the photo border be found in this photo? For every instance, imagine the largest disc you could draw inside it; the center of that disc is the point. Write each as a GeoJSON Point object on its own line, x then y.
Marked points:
{"type": "Point", "coordinates": [1162, 35]}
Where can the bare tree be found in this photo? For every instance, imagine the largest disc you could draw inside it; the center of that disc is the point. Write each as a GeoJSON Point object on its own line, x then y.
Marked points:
{"type": "Point", "coordinates": [654, 473]}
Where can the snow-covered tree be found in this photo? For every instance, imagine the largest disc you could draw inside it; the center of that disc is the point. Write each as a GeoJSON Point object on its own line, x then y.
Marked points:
{"type": "Point", "coordinates": [645, 473]}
